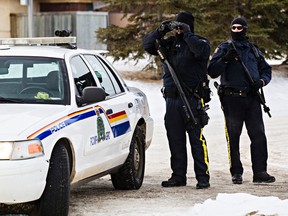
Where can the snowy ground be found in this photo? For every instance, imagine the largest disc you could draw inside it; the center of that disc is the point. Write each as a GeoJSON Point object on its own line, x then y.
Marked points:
{"type": "Point", "coordinates": [223, 198]}
{"type": "Point", "coordinates": [237, 203]}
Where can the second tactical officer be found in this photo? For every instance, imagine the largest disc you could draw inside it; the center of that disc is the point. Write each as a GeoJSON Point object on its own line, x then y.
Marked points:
{"type": "Point", "coordinates": [188, 53]}
{"type": "Point", "coordinates": [239, 99]}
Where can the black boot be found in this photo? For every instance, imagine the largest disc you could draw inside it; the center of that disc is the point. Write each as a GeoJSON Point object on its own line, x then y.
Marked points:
{"type": "Point", "coordinates": [237, 179]}
{"type": "Point", "coordinates": [172, 182]}
{"type": "Point", "coordinates": [202, 185]}
{"type": "Point", "coordinates": [263, 177]}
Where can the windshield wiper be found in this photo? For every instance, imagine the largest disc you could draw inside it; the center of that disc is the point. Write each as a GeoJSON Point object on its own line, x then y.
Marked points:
{"type": "Point", "coordinates": [10, 100]}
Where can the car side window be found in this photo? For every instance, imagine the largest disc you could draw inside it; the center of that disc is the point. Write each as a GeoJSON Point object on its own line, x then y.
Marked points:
{"type": "Point", "coordinates": [81, 74]}
{"type": "Point", "coordinates": [106, 77]}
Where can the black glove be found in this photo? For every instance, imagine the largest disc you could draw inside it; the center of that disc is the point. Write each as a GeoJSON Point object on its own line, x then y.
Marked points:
{"type": "Point", "coordinates": [230, 55]}
{"type": "Point", "coordinates": [164, 27]}
{"type": "Point", "coordinates": [257, 85]}
{"type": "Point", "coordinates": [185, 27]}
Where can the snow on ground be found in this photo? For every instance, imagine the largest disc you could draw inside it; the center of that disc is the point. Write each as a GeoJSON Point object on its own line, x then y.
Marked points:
{"type": "Point", "coordinates": [236, 204]}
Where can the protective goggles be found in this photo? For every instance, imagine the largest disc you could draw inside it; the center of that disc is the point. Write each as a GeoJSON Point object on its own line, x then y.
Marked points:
{"type": "Point", "coordinates": [237, 27]}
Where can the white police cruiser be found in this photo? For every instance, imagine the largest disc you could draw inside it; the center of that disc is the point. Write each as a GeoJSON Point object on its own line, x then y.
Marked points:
{"type": "Point", "coordinates": [66, 118]}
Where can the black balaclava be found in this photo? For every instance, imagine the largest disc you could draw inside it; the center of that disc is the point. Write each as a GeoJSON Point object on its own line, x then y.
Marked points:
{"type": "Point", "coordinates": [239, 36]}
{"type": "Point", "coordinates": [186, 17]}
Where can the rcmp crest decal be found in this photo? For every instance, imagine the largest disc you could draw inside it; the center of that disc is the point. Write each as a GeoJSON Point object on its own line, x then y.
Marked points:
{"type": "Point", "coordinates": [100, 127]}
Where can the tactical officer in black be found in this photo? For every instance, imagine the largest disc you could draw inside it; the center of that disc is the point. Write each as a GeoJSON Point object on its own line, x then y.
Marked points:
{"type": "Point", "coordinates": [188, 53]}
{"type": "Point", "coordinates": [239, 101]}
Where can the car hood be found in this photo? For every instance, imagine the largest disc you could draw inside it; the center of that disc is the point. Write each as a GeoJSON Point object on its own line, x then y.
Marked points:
{"type": "Point", "coordinates": [17, 119]}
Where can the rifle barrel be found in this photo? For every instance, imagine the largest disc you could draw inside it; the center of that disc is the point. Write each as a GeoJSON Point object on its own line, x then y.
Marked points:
{"type": "Point", "coordinates": [251, 81]}
{"type": "Point", "coordinates": [186, 107]}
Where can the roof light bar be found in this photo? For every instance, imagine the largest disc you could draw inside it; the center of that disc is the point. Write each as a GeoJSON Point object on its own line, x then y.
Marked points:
{"type": "Point", "coordinates": [38, 41]}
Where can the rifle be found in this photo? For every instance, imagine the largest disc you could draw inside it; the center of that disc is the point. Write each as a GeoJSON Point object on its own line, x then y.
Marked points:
{"type": "Point", "coordinates": [186, 107]}
{"type": "Point", "coordinates": [251, 81]}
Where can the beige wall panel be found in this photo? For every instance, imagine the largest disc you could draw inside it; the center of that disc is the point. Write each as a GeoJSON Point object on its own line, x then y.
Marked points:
{"type": "Point", "coordinates": [8, 7]}
{"type": "Point", "coordinates": [116, 19]}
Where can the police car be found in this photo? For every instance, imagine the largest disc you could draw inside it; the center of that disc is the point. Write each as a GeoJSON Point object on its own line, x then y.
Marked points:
{"type": "Point", "coordinates": [66, 118]}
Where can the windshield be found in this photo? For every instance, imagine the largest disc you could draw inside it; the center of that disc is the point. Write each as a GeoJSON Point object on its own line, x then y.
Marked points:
{"type": "Point", "coordinates": [33, 80]}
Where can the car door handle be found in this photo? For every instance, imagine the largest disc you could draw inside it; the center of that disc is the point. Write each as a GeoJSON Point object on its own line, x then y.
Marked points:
{"type": "Point", "coordinates": [109, 111]}
{"type": "Point", "coordinates": [130, 105]}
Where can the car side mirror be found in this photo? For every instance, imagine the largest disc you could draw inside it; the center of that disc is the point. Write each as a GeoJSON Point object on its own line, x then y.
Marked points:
{"type": "Point", "coordinates": [93, 94]}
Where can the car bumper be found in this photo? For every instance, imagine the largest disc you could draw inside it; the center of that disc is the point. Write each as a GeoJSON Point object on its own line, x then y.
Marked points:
{"type": "Point", "coordinates": [22, 180]}
{"type": "Point", "coordinates": [149, 131]}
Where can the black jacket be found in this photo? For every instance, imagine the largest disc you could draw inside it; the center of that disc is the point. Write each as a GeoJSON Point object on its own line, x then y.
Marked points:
{"type": "Point", "coordinates": [232, 73]}
{"type": "Point", "coordinates": [189, 56]}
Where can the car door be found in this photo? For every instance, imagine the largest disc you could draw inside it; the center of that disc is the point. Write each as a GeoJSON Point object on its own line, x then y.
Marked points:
{"type": "Point", "coordinates": [100, 149]}
{"type": "Point", "coordinates": [121, 104]}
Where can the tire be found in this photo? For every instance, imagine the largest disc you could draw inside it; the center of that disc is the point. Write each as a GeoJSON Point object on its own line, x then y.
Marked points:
{"type": "Point", "coordinates": [55, 198]}
{"type": "Point", "coordinates": [131, 174]}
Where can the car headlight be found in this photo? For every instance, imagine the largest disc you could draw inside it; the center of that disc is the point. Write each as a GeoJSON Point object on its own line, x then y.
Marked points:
{"type": "Point", "coordinates": [18, 150]}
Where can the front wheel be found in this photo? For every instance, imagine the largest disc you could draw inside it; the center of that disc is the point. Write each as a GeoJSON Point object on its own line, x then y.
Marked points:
{"type": "Point", "coordinates": [55, 198]}
{"type": "Point", "coordinates": [131, 174]}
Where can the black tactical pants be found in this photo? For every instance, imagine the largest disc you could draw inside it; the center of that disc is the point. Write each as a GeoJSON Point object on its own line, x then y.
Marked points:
{"type": "Point", "coordinates": [239, 110]}
{"type": "Point", "coordinates": [176, 133]}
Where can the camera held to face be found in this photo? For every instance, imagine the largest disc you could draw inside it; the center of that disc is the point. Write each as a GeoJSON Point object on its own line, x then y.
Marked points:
{"type": "Point", "coordinates": [174, 25]}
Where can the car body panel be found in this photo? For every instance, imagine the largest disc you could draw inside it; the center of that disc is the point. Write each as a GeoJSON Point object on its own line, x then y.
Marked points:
{"type": "Point", "coordinates": [98, 134]}
{"type": "Point", "coordinates": [22, 181]}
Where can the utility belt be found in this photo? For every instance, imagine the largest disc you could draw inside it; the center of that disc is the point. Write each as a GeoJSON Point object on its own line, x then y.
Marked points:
{"type": "Point", "coordinates": [201, 117]}
{"type": "Point", "coordinates": [227, 91]}
{"type": "Point", "coordinates": [202, 90]}
{"type": "Point", "coordinates": [169, 92]}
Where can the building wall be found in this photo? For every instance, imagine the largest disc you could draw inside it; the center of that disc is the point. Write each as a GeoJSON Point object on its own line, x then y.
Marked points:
{"type": "Point", "coordinates": [116, 18]}
{"type": "Point", "coordinates": [12, 7]}
{"type": "Point", "coordinates": [70, 5]}
{"type": "Point", "coordinates": [82, 24]}
{"type": "Point", "coordinates": [67, 1]}
{"type": "Point", "coordinates": [8, 7]}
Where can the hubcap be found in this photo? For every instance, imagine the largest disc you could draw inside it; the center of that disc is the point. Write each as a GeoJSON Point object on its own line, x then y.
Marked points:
{"type": "Point", "coordinates": [136, 159]}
